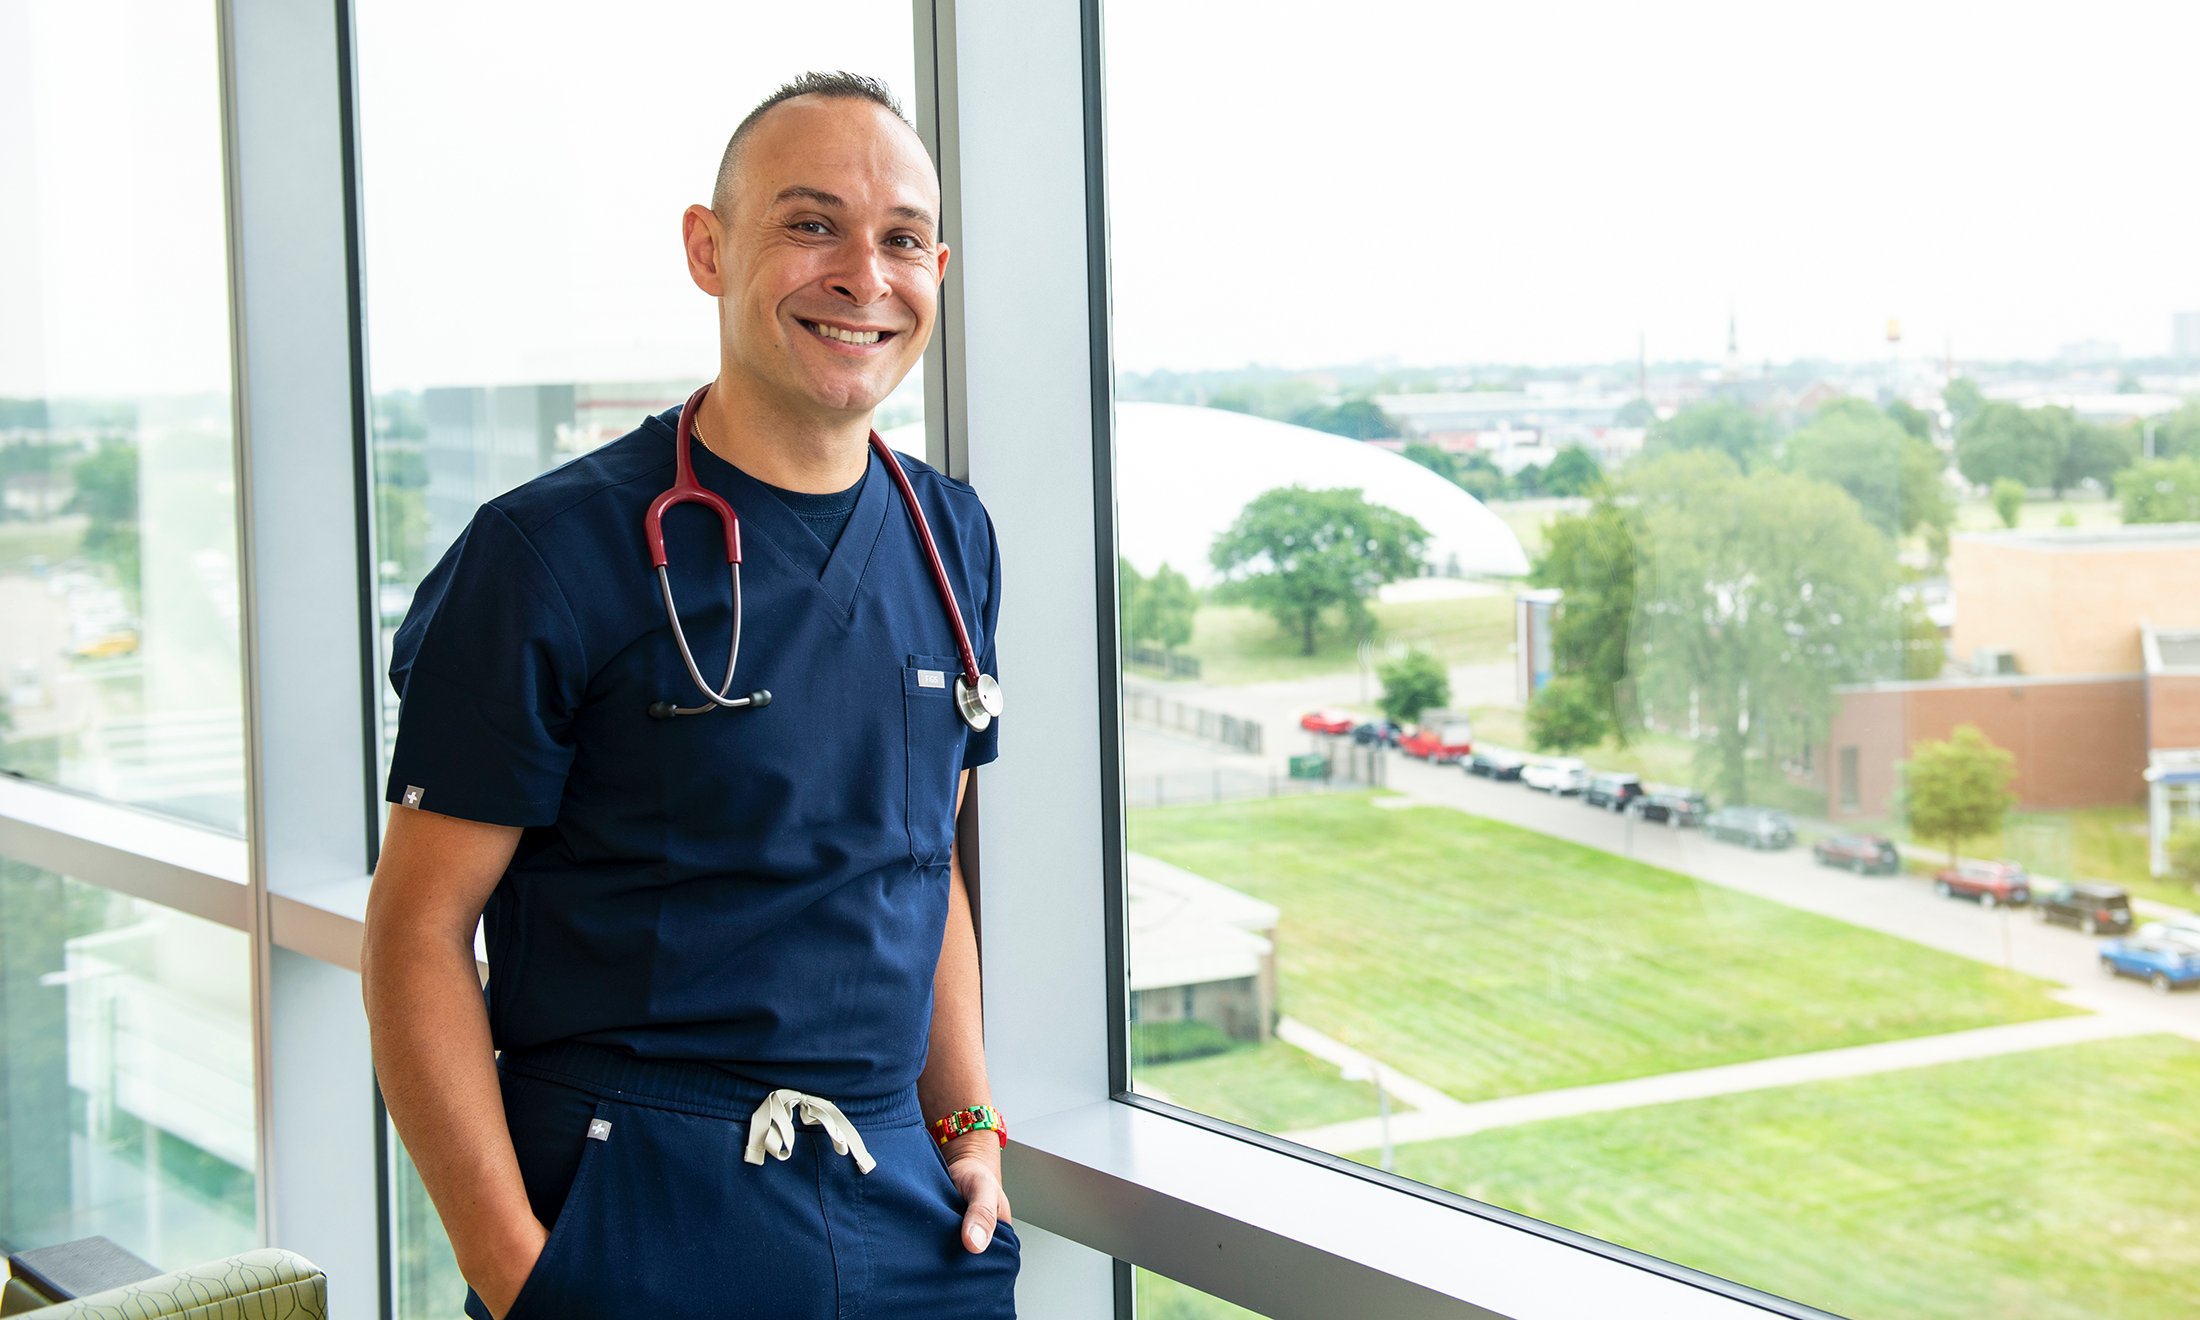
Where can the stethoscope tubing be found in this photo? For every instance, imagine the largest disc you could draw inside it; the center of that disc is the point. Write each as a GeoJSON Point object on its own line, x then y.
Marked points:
{"type": "Point", "coordinates": [977, 695]}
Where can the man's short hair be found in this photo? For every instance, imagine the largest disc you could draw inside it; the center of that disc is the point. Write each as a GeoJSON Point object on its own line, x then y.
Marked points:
{"type": "Point", "coordinates": [838, 85]}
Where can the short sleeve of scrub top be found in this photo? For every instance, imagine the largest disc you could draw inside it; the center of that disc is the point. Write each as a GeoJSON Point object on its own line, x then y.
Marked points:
{"type": "Point", "coordinates": [489, 668]}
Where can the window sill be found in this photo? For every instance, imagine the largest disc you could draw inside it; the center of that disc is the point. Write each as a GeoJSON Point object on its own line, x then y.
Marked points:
{"type": "Point", "coordinates": [1290, 1237]}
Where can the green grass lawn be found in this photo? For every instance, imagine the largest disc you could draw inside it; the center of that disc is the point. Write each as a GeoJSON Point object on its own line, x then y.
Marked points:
{"type": "Point", "coordinates": [54, 538]}
{"type": "Point", "coordinates": [1272, 1086]}
{"type": "Point", "coordinates": [2050, 1185]}
{"type": "Point", "coordinates": [1163, 1298]}
{"type": "Point", "coordinates": [1239, 644]}
{"type": "Point", "coordinates": [1490, 960]}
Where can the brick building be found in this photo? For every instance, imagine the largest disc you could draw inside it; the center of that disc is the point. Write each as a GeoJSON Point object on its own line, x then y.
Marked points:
{"type": "Point", "coordinates": [2078, 650]}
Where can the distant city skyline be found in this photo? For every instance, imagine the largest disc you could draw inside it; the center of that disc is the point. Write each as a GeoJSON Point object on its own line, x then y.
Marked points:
{"type": "Point", "coordinates": [1439, 185]}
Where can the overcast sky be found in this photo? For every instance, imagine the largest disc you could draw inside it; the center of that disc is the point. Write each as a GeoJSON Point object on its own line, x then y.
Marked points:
{"type": "Point", "coordinates": [1292, 183]}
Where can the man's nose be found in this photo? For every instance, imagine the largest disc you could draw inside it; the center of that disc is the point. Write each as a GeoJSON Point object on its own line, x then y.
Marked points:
{"type": "Point", "coordinates": [861, 278]}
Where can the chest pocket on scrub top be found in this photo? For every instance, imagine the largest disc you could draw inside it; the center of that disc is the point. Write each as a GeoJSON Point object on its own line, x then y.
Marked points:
{"type": "Point", "coordinates": [935, 751]}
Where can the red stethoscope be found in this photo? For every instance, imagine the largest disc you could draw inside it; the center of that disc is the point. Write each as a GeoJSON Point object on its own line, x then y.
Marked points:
{"type": "Point", "coordinates": [977, 696]}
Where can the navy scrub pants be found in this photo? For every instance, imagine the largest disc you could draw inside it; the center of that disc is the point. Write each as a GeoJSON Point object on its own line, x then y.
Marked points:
{"type": "Point", "coordinates": [636, 1165]}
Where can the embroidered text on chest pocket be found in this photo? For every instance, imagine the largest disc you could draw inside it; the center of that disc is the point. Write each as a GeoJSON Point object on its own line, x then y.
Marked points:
{"type": "Point", "coordinates": [935, 750]}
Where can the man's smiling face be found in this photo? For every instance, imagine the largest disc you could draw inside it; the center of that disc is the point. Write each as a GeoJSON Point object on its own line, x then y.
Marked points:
{"type": "Point", "coordinates": [830, 256]}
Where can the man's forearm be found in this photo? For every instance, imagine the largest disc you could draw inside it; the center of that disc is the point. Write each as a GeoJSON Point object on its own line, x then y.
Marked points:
{"type": "Point", "coordinates": [437, 1069]}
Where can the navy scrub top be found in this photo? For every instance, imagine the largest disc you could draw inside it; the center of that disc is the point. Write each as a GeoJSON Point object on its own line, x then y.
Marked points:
{"type": "Point", "coordinates": [765, 890]}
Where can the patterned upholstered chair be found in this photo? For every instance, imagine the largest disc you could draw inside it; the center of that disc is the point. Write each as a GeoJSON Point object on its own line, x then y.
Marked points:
{"type": "Point", "coordinates": [267, 1284]}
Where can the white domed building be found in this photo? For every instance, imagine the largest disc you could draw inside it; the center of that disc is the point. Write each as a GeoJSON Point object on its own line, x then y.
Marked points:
{"type": "Point", "coordinates": [1183, 474]}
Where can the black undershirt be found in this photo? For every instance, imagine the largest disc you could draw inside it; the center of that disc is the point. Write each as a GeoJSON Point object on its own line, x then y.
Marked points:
{"type": "Point", "coordinates": [827, 515]}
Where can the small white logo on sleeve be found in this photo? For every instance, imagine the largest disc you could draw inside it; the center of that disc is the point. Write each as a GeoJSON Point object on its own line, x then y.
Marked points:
{"type": "Point", "coordinates": [599, 1129]}
{"type": "Point", "coordinates": [936, 678]}
{"type": "Point", "coordinates": [413, 794]}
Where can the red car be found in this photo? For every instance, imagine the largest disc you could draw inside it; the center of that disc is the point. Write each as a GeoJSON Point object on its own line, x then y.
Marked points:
{"type": "Point", "coordinates": [1991, 883]}
{"type": "Point", "coordinates": [1439, 740]}
{"type": "Point", "coordinates": [1327, 721]}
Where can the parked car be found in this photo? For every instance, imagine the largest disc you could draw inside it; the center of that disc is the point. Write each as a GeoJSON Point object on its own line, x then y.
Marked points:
{"type": "Point", "coordinates": [1759, 827]}
{"type": "Point", "coordinates": [1495, 763]}
{"type": "Point", "coordinates": [1671, 806]}
{"type": "Point", "coordinates": [2163, 964]}
{"type": "Point", "coordinates": [2177, 930]}
{"type": "Point", "coordinates": [1375, 732]}
{"type": "Point", "coordinates": [1612, 790]}
{"type": "Point", "coordinates": [1440, 738]}
{"type": "Point", "coordinates": [1991, 883]}
{"type": "Point", "coordinates": [2094, 909]}
{"type": "Point", "coordinates": [1327, 721]}
{"type": "Point", "coordinates": [1865, 854]}
{"type": "Point", "coordinates": [1556, 774]}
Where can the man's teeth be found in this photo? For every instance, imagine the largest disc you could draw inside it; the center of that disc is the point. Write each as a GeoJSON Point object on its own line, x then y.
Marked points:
{"type": "Point", "coordinates": [845, 336]}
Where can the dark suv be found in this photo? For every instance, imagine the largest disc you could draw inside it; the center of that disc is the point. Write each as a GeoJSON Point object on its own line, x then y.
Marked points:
{"type": "Point", "coordinates": [2094, 909]}
{"type": "Point", "coordinates": [1672, 806]}
{"type": "Point", "coordinates": [1612, 791]}
{"type": "Point", "coordinates": [1865, 854]}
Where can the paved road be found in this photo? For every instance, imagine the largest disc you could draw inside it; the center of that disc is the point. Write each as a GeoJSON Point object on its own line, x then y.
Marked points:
{"type": "Point", "coordinates": [1899, 905]}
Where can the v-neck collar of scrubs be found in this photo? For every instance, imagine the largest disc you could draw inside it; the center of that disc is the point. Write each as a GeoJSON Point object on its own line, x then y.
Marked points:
{"type": "Point", "coordinates": [765, 518]}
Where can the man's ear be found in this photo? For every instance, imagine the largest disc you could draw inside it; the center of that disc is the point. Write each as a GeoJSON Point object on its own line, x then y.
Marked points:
{"type": "Point", "coordinates": [699, 231]}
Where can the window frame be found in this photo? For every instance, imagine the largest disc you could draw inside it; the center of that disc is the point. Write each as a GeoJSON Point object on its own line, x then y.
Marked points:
{"type": "Point", "coordinates": [1010, 97]}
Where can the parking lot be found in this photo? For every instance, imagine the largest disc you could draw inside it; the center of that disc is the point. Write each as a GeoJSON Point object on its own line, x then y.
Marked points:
{"type": "Point", "coordinates": [1899, 905]}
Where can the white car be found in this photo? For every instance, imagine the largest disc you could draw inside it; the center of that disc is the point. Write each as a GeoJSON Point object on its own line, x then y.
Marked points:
{"type": "Point", "coordinates": [2183, 930]}
{"type": "Point", "coordinates": [1556, 774]}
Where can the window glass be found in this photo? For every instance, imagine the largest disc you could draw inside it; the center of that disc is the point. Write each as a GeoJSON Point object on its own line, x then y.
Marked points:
{"type": "Point", "coordinates": [528, 299]}
{"type": "Point", "coordinates": [525, 170]}
{"type": "Point", "coordinates": [125, 1074]}
{"type": "Point", "coordinates": [1160, 1297]}
{"type": "Point", "coordinates": [119, 671]}
{"type": "Point", "coordinates": [1640, 564]}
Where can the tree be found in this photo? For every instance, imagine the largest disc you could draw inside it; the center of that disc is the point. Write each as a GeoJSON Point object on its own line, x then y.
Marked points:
{"type": "Point", "coordinates": [1573, 472]}
{"type": "Point", "coordinates": [1958, 789]}
{"type": "Point", "coordinates": [1591, 558]}
{"type": "Point", "coordinates": [2093, 452]}
{"type": "Point", "coordinates": [1130, 590]}
{"type": "Point", "coordinates": [106, 483]}
{"type": "Point", "coordinates": [1755, 596]}
{"type": "Point", "coordinates": [2001, 440]}
{"type": "Point", "coordinates": [1295, 553]}
{"type": "Point", "coordinates": [2178, 435]}
{"type": "Point", "coordinates": [1912, 419]}
{"type": "Point", "coordinates": [1165, 610]}
{"type": "Point", "coordinates": [2008, 497]}
{"type": "Point", "coordinates": [1357, 419]}
{"type": "Point", "coordinates": [1637, 411]}
{"type": "Point", "coordinates": [1727, 427]}
{"type": "Point", "coordinates": [1438, 461]}
{"type": "Point", "coordinates": [1412, 683]}
{"type": "Point", "coordinates": [1963, 399]}
{"type": "Point", "coordinates": [1891, 474]}
{"type": "Point", "coordinates": [2164, 491]}
{"type": "Point", "coordinates": [2183, 847]}
{"type": "Point", "coordinates": [1924, 652]}
{"type": "Point", "coordinates": [1565, 716]}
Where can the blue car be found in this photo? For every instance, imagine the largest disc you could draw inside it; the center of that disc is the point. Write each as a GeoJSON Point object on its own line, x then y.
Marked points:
{"type": "Point", "coordinates": [2162, 964]}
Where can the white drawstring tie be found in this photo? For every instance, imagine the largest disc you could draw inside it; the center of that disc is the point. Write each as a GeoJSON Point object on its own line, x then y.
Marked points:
{"type": "Point", "coordinates": [772, 1129]}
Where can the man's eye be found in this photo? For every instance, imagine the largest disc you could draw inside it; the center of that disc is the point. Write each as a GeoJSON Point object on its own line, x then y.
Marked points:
{"type": "Point", "coordinates": [812, 226]}
{"type": "Point", "coordinates": [909, 242]}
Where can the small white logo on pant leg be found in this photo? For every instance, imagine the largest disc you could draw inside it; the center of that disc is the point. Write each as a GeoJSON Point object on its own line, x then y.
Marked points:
{"type": "Point", "coordinates": [413, 795]}
{"type": "Point", "coordinates": [932, 678]}
{"type": "Point", "coordinates": [599, 1129]}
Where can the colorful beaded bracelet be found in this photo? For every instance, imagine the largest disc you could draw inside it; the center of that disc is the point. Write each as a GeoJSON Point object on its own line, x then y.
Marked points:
{"type": "Point", "coordinates": [963, 1122]}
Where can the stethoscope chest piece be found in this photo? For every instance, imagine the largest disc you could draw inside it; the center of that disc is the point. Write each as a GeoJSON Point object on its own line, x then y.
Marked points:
{"type": "Point", "coordinates": [978, 705]}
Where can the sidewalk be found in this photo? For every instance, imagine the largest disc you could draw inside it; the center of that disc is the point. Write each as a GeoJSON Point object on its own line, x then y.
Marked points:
{"type": "Point", "coordinates": [1456, 1119]}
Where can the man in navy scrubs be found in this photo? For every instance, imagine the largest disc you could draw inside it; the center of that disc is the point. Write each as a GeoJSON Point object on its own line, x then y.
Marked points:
{"type": "Point", "coordinates": [733, 976]}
